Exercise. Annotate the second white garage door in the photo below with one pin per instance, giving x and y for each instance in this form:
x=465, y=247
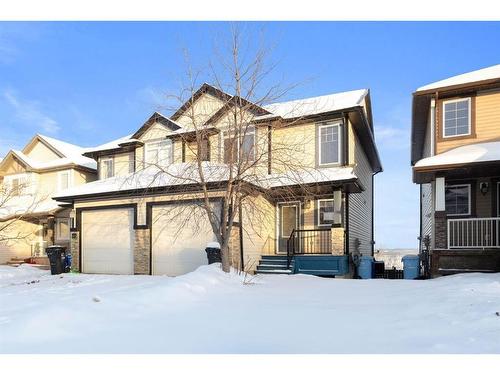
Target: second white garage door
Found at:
x=180, y=234
x=107, y=241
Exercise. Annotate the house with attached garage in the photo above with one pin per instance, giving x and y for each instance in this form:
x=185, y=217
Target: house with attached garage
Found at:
x=313, y=162
x=456, y=161
x=30, y=219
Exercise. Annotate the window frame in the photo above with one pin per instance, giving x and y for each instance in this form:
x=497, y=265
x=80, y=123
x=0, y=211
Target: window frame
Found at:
x=250, y=129
x=339, y=124
x=469, y=199
x=102, y=160
x=57, y=231
x=59, y=179
x=469, y=117
x=318, y=211
x=150, y=142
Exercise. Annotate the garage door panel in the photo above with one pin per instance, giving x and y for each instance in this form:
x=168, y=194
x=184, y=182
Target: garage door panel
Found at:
x=180, y=234
x=107, y=241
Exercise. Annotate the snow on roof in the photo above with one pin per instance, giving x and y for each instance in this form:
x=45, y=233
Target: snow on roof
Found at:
x=111, y=144
x=491, y=72
x=475, y=153
x=187, y=173
x=308, y=177
x=72, y=154
x=315, y=105
x=27, y=205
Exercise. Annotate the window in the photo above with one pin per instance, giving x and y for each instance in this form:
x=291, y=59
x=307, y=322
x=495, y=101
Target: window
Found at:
x=204, y=150
x=232, y=144
x=159, y=153
x=62, y=229
x=457, y=199
x=64, y=180
x=131, y=162
x=329, y=143
x=16, y=187
x=325, y=211
x=456, y=117
x=107, y=167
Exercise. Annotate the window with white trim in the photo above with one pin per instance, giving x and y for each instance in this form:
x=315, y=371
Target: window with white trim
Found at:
x=458, y=199
x=62, y=229
x=456, y=117
x=63, y=180
x=329, y=143
x=107, y=167
x=325, y=212
x=158, y=153
x=18, y=184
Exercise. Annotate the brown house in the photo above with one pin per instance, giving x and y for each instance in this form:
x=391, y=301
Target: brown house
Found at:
x=456, y=161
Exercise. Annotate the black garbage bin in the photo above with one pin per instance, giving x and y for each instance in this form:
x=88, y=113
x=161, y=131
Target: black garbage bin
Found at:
x=55, y=254
x=213, y=254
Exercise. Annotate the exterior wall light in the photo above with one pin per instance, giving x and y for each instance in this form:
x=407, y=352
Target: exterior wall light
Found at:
x=484, y=187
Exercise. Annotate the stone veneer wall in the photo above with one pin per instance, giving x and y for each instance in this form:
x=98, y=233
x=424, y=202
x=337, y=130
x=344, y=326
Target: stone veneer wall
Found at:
x=141, y=252
x=441, y=238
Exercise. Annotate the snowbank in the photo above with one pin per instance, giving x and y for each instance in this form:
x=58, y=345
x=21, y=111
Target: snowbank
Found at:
x=208, y=311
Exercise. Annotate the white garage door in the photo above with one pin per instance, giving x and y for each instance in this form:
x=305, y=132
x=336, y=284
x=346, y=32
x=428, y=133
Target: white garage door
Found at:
x=180, y=234
x=107, y=241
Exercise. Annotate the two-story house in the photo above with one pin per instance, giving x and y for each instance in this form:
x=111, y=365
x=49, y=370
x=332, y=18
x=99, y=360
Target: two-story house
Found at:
x=456, y=161
x=29, y=218
x=315, y=161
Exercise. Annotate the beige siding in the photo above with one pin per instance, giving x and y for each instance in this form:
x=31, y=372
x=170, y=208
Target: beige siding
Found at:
x=41, y=153
x=121, y=163
x=294, y=147
x=259, y=230
x=203, y=108
x=361, y=204
x=13, y=167
x=156, y=131
x=20, y=247
x=487, y=118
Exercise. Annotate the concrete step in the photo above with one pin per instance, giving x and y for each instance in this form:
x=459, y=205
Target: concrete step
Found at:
x=272, y=267
x=274, y=272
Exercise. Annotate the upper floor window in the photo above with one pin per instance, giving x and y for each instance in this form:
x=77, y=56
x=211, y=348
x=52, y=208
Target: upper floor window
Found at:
x=63, y=180
x=457, y=199
x=232, y=145
x=19, y=184
x=107, y=167
x=325, y=211
x=456, y=117
x=158, y=153
x=329, y=143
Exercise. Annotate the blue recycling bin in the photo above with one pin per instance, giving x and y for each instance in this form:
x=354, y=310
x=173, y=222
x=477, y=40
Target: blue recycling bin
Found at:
x=411, y=267
x=365, y=269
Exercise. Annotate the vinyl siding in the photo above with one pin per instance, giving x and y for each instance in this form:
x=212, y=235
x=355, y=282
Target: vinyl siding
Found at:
x=41, y=153
x=487, y=119
x=427, y=210
x=203, y=108
x=259, y=231
x=361, y=204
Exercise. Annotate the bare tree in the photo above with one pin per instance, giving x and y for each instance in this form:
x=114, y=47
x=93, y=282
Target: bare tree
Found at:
x=240, y=170
x=15, y=207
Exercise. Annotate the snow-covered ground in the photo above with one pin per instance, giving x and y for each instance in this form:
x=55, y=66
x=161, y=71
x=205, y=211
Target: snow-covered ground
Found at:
x=208, y=311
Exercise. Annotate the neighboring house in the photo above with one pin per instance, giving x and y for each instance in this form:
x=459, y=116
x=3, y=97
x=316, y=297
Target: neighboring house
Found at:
x=456, y=161
x=30, y=218
x=119, y=223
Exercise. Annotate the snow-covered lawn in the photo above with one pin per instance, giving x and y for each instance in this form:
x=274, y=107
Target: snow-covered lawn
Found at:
x=208, y=311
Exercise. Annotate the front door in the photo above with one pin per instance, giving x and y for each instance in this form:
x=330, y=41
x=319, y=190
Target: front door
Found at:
x=288, y=221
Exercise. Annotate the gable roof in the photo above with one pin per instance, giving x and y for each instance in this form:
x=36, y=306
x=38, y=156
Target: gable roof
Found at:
x=317, y=105
x=69, y=154
x=156, y=118
x=485, y=74
x=204, y=88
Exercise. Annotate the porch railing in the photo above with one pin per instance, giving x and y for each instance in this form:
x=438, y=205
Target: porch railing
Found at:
x=309, y=241
x=475, y=233
x=38, y=248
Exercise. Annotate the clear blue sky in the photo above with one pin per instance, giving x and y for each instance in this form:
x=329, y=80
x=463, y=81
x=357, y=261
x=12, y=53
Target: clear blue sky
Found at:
x=88, y=83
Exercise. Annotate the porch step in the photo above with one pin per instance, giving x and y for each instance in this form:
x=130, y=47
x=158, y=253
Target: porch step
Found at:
x=274, y=264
